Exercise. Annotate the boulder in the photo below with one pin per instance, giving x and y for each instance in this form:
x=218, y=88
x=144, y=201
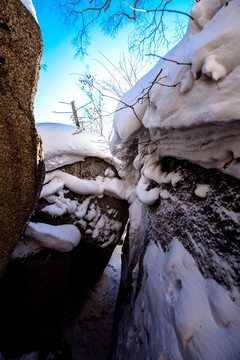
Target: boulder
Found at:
x=21, y=165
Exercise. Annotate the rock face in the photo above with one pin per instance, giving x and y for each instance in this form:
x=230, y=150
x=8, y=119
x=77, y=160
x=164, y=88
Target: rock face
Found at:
x=173, y=305
x=20, y=164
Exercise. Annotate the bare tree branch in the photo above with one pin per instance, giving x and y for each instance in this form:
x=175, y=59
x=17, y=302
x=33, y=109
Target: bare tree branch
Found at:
x=150, y=30
x=171, y=60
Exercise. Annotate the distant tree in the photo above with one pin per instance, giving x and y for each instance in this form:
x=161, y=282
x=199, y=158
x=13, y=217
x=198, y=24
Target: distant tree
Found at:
x=88, y=116
x=148, y=17
x=100, y=96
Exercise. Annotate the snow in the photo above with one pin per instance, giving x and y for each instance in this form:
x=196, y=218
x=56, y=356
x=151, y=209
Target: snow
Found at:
x=202, y=190
x=87, y=213
x=30, y=7
x=63, y=145
x=198, y=119
x=60, y=237
x=56, y=180
x=147, y=197
x=192, y=317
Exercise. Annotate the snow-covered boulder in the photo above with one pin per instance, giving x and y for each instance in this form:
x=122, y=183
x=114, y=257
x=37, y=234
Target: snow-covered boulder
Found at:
x=89, y=196
x=179, y=295
x=81, y=187
x=20, y=164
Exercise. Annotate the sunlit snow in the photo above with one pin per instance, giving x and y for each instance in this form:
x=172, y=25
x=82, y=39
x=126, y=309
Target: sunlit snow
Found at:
x=189, y=107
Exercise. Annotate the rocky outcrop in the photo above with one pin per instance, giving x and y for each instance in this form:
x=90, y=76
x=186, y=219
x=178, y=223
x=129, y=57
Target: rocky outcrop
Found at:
x=171, y=304
x=20, y=154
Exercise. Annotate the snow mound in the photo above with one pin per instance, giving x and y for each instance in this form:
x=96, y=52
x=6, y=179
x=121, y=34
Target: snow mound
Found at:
x=59, y=237
x=30, y=7
x=188, y=106
x=63, y=145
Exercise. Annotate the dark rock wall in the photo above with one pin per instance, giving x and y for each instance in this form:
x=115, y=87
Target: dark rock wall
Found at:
x=20, y=165
x=207, y=227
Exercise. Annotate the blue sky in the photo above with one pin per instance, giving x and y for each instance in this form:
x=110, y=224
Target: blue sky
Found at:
x=58, y=83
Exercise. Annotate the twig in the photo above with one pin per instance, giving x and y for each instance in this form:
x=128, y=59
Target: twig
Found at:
x=171, y=60
x=156, y=10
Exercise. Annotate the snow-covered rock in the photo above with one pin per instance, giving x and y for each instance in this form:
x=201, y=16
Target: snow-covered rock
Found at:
x=187, y=106
x=179, y=295
x=64, y=144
